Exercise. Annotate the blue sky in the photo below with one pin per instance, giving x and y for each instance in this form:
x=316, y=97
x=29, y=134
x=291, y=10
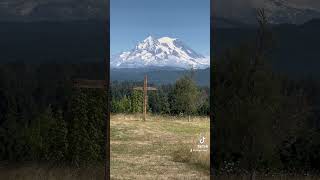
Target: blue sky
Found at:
x=133, y=20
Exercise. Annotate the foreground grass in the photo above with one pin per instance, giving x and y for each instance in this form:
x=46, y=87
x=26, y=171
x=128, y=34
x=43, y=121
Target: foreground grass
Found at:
x=271, y=177
x=158, y=148
x=32, y=171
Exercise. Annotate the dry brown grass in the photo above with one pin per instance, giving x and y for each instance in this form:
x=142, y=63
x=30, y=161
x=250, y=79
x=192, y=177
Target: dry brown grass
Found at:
x=150, y=149
x=156, y=149
x=32, y=171
x=275, y=177
x=186, y=152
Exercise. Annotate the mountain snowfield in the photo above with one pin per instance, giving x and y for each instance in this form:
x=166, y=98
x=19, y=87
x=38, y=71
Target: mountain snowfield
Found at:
x=277, y=11
x=163, y=52
x=284, y=11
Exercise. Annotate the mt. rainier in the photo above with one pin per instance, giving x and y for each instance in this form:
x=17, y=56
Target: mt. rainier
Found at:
x=284, y=11
x=162, y=52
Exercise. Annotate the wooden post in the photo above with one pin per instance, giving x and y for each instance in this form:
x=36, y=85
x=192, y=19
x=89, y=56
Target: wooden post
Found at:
x=145, y=97
x=145, y=90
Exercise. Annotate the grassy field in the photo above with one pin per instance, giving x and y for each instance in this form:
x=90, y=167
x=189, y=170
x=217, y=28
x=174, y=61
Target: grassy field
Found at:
x=274, y=177
x=158, y=148
x=32, y=171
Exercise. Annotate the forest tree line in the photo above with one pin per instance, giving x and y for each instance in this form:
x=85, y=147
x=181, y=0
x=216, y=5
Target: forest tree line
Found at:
x=44, y=118
x=262, y=119
x=182, y=98
x=265, y=121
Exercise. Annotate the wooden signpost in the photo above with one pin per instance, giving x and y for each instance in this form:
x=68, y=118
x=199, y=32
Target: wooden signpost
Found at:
x=145, y=90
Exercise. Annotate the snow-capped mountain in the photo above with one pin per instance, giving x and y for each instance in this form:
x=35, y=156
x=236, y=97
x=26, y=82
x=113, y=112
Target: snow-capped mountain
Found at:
x=162, y=52
x=283, y=11
x=277, y=11
x=51, y=10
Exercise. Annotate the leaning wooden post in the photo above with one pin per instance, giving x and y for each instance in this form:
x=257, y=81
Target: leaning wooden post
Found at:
x=145, y=98
x=145, y=90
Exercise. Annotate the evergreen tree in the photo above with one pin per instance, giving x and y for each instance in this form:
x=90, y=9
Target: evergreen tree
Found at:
x=204, y=107
x=57, y=139
x=96, y=124
x=184, y=96
x=124, y=105
x=12, y=135
x=77, y=131
x=137, y=102
x=158, y=102
x=86, y=134
x=38, y=134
